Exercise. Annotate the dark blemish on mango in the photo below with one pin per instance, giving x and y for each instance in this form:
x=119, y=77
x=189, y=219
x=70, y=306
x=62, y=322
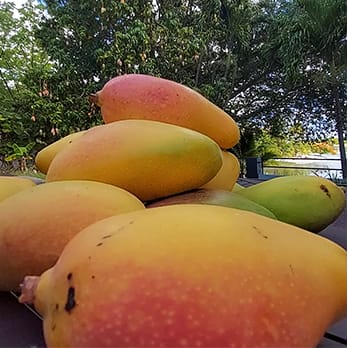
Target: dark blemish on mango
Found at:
x=69, y=276
x=89, y=257
x=325, y=189
x=120, y=229
x=107, y=236
x=292, y=270
x=93, y=276
x=70, y=301
x=99, y=244
x=56, y=306
x=260, y=232
x=53, y=327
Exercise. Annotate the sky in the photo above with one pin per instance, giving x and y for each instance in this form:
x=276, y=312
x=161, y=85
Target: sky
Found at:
x=18, y=3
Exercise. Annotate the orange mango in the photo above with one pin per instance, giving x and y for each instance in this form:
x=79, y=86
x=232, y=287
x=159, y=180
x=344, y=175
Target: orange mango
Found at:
x=137, y=96
x=37, y=223
x=10, y=185
x=188, y=276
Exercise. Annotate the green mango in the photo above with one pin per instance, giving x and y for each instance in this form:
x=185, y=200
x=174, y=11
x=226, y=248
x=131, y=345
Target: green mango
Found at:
x=214, y=197
x=309, y=202
x=237, y=187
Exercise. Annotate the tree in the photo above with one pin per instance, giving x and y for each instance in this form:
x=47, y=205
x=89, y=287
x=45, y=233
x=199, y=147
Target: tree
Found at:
x=235, y=52
x=30, y=117
x=19, y=58
x=312, y=49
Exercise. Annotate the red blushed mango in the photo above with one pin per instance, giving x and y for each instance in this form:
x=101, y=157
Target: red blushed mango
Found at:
x=137, y=96
x=191, y=276
x=147, y=158
x=35, y=224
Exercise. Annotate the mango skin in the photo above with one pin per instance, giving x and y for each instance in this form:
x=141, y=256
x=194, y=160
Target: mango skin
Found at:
x=10, y=185
x=36, y=180
x=309, y=202
x=147, y=158
x=227, y=175
x=45, y=156
x=192, y=275
x=237, y=187
x=138, y=96
x=38, y=222
x=214, y=197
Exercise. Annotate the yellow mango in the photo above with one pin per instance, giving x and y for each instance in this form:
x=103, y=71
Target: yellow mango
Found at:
x=147, y=158
x=227, y=175
x=45, y=156
x=10, y=185
x=188, y=276
x=37, y=223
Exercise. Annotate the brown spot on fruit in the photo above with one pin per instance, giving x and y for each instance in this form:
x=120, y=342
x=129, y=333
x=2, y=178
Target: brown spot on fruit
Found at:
x=70, y=301
x=325, y=189
x=69, y=276
x=260, y=232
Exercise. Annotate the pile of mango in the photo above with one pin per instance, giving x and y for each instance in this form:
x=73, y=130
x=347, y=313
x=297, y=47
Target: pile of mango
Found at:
x=140, y=235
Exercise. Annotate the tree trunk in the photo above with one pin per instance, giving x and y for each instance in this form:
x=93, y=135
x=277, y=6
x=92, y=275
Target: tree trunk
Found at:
x=339, y=128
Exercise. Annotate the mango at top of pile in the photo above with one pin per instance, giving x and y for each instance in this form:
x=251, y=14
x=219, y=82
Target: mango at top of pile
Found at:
x=138, y=96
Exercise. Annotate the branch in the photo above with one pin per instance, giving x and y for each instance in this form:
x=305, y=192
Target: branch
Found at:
x=247, y=85
x=200, y=59
x=6, y=85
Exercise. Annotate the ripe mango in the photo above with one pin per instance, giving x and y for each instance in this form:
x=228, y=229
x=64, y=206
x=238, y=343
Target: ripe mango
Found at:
x=147, y=158
x=214, y=197
x=138, y=96
x=188, y=276
x=10, y=185
x=227, y=175
x=309, y=202
x=38, y=222
x=45, y=156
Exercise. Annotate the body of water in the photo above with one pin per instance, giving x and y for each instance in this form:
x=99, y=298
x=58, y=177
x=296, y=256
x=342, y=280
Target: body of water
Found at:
x=329, y=165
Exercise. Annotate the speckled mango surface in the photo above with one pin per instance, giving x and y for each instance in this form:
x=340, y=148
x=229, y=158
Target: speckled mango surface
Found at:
x=192, y=276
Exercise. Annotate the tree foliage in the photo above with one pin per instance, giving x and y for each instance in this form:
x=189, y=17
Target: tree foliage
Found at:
x=275, y=66
x=312, y=51
x=23, y=66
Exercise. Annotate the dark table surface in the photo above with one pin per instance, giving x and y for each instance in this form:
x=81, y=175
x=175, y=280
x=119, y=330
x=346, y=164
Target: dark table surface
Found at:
x=21, y=327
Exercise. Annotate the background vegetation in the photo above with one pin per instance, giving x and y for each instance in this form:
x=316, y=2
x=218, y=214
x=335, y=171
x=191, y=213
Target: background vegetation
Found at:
x=278, y=67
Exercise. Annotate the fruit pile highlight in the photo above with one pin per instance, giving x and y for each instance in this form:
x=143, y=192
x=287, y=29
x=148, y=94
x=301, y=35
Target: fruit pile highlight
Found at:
x=140, y=235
